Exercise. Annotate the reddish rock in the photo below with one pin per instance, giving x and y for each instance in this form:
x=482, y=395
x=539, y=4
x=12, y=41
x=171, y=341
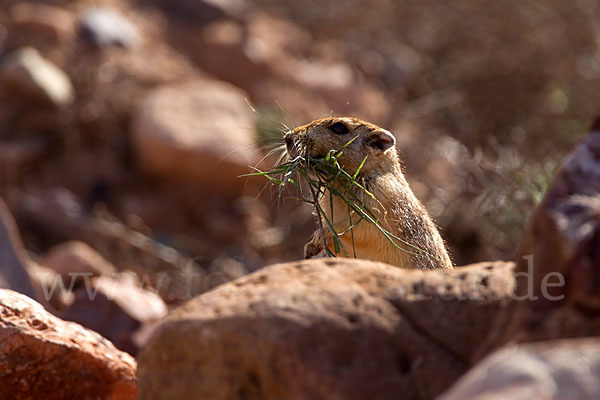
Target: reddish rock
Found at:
x=47, y=287
x=44, y=357
x=325, y=329
x=115, y=309
x=213, y=35
x=44, y=20
x=222, y=49
x=558, y=289
x=77, y=259
x=556, y=369
x=343, y=89
x=306, y=83
x=201, y=132
x=272, y=38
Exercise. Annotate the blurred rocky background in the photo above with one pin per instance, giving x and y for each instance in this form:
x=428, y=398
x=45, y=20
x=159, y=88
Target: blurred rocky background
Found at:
x=124, y=128
x=138, y=116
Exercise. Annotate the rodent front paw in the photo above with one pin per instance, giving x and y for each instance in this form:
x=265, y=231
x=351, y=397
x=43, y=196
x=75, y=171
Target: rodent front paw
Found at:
x=314, y=247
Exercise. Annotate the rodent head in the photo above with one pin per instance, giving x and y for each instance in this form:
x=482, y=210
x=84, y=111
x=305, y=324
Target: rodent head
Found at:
x=320, y=136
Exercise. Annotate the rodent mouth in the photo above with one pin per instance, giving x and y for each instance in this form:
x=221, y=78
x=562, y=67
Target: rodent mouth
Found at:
x=298, y=146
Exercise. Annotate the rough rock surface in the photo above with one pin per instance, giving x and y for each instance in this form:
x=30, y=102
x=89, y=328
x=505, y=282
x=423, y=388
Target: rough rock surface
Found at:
x=559, y=263
x=43, y=357
x=115, y=310
x=13, y=259
x=335, y=329
x=203, y=131
x=556, y=369
x=73, y=259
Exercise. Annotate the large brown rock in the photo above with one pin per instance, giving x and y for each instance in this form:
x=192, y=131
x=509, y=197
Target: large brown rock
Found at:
x=325, y=329
x=44, y=357
x=557, y=285
x=556, y=369
x=201, y=131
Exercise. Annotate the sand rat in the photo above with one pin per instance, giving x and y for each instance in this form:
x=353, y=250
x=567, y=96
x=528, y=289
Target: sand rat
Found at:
x=419, y=244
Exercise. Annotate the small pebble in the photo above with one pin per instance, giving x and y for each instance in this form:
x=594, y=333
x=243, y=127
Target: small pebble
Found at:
x=105, y=27
x=27, y=72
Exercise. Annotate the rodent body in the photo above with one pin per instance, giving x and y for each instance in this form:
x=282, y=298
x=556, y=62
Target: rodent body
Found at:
x=397, y=208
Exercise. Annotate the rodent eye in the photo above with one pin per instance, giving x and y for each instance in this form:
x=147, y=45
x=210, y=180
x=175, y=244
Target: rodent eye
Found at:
x=338, y=128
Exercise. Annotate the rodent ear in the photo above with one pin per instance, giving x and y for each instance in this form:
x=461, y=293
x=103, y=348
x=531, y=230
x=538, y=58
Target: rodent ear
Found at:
x=381, y=140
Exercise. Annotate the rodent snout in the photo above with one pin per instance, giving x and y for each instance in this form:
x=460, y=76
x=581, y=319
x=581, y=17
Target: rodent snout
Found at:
x=289, y=141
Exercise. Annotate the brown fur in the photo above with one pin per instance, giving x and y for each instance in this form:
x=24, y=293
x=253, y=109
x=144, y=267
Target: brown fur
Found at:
x=398, y=209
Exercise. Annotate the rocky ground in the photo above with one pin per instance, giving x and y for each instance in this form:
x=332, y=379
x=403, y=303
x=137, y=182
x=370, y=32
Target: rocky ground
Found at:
x=136, y=263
